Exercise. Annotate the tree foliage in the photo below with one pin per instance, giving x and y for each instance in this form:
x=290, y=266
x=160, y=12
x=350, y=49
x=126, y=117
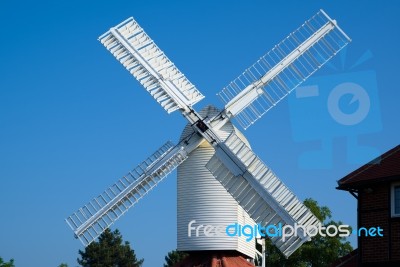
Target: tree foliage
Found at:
x=109, y=251
x=174, y=257
x=6, y=264
x=319, y=252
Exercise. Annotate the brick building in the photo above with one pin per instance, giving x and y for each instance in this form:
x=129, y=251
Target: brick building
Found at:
x=376, y=186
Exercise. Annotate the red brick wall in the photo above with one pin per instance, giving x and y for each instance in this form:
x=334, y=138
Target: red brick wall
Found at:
x=374, y=211
x=395, y=227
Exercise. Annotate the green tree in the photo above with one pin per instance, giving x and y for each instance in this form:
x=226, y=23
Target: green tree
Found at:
x=6, y=264
x=109, y=251
x=63, y=265
x=319, y=252
x=174, y=257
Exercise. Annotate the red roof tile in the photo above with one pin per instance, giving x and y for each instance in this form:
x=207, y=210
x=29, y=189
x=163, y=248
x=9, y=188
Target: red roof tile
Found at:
x=385, y=166
x=214, y=259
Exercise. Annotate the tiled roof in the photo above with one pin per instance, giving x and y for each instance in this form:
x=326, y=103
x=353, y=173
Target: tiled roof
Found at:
x=349, y=260
x=214, y=259
x=383, y=167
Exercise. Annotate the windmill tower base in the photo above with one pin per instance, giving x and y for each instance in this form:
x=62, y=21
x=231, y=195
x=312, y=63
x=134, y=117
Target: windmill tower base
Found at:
x=222, y=258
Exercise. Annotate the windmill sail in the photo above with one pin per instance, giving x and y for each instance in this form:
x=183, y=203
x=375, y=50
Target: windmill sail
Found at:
x=138, y=53
x=283, y=68
x=92, y=219
x=259, y=191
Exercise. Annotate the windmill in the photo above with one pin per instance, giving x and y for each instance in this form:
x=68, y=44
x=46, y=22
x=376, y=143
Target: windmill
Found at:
x=252, y=186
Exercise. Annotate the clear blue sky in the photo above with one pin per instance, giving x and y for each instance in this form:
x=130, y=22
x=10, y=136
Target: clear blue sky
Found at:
x=72, y=120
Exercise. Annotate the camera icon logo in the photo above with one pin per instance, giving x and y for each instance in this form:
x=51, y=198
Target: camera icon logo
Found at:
x=336, y=106
x=358, y=94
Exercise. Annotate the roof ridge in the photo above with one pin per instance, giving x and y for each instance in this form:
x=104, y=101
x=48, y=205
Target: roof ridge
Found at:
x=369, y=165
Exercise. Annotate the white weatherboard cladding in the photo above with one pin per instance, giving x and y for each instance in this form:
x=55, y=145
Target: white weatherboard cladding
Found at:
x=202, y=198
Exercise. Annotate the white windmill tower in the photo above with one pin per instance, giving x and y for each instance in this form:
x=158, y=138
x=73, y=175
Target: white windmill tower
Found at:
x=219, y=177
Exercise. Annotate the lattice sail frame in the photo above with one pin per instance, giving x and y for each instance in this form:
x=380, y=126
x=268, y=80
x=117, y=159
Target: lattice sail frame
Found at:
x=138, y=53
x=287, y=65
x=260, y=192
x=101, y=212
